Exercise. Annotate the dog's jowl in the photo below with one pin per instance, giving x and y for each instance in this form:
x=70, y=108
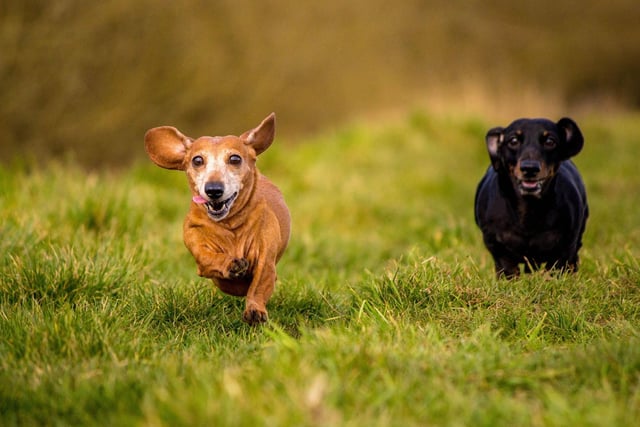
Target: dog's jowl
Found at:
x=531, y=204
x=238, y=224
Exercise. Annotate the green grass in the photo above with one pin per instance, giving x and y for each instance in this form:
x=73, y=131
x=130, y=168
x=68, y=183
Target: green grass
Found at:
x=386, y=311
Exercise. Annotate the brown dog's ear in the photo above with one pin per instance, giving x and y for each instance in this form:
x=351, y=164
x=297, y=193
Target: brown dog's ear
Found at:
x=573, y=140
x=493, y=139
x=166, y=146
x=262, y=136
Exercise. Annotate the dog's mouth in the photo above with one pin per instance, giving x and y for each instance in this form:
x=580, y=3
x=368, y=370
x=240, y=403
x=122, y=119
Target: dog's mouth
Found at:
x=217, y=209
x=530, y=187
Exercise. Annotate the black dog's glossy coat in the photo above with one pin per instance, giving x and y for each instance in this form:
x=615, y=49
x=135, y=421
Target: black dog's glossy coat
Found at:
x=531, y=204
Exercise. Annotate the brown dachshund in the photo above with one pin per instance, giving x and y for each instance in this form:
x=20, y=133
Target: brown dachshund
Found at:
x=238, y=224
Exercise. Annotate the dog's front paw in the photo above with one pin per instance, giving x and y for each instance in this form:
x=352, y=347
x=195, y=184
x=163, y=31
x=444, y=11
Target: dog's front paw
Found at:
x=239, y=268
x=254, y=315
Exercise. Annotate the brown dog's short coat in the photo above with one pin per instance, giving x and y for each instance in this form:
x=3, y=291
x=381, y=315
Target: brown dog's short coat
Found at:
x=238, y=224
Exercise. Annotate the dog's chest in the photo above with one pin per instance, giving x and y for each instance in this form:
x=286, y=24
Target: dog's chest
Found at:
x=527, y=242
x=239, y=242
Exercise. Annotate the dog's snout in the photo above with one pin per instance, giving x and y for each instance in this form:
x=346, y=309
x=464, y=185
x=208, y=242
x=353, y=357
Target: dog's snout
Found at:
x=214, y=190
x=530, y=168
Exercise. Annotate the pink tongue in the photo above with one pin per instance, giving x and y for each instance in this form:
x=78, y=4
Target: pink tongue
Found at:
x=199, y=200
x=529, y=184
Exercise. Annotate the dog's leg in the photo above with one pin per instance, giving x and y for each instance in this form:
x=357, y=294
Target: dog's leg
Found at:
x=565, y=261
x=572, y=266
x=262, y=285
x=215, y=265
x=530, y=265
x=221, y=266
x=506, y=267
x=565, y=266
x=572, y=263
x=212, y=263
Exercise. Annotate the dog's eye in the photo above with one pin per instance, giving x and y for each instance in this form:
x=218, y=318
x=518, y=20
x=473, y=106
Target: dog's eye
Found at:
x=549, y=143
x=234, y=159
x=513, y=142
x=197, y=161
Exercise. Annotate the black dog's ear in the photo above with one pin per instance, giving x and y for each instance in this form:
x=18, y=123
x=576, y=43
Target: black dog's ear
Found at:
x=494, y=139
x=573, y=140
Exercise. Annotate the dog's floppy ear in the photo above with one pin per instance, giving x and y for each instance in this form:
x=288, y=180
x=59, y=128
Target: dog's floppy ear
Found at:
x=573, y=140
x=494, y=139
x=262, y=136
x=167, y=146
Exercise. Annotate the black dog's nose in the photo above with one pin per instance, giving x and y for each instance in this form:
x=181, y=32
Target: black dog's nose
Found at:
x=530, y=168
x=215, y=190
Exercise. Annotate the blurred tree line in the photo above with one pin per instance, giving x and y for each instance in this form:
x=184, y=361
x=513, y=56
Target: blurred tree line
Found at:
x=90, y=77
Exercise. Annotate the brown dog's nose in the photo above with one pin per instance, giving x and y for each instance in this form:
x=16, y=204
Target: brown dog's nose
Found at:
x=214, y=190
x=530, y=168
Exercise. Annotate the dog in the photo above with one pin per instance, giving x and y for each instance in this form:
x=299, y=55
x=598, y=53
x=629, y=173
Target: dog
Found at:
x=531, y=204
x=238, y=224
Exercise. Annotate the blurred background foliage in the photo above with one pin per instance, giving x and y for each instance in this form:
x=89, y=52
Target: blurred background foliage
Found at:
x=90, y=77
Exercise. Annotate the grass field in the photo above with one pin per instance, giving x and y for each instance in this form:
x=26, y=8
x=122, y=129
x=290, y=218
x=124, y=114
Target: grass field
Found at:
x=386, y=311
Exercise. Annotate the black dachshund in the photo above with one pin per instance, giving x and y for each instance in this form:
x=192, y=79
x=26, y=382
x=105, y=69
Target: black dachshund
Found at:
x=531, y=205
